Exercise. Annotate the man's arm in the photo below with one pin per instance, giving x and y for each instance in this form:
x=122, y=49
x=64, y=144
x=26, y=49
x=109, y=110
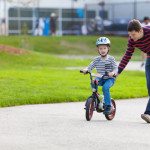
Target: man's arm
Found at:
x=115, y=67
x=127, y=56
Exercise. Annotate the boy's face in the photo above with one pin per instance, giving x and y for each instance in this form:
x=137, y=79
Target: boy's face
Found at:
x=135, y=35
x=103, y=50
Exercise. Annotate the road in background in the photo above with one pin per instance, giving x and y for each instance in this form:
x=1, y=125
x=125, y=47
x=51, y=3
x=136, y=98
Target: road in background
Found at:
x=63, y=127
x=133, y=65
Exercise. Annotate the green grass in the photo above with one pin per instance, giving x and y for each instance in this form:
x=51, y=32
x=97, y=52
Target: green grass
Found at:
x=36, y=60
x=68, y=45
x=40, y=77
x=20, y=86
x=35, y=78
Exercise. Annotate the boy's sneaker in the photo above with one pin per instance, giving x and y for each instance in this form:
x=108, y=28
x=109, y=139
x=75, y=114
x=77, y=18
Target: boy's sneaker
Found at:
x=107, y=110
x=146, y=117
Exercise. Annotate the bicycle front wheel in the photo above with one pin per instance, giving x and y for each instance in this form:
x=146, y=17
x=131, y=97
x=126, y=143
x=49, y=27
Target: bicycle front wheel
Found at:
x=89, y=108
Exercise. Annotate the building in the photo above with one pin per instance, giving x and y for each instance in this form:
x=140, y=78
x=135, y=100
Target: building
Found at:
x=20, y=16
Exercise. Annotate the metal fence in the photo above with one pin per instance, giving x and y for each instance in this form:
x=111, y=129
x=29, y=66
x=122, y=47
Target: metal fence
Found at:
x=113, y=18
x=97, y=18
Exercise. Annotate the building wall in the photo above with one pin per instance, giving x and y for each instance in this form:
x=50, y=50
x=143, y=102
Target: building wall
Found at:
x=124, y=1
x=115, y=10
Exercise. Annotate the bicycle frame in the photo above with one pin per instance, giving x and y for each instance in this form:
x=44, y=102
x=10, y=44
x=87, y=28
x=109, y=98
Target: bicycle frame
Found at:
x=94, y=95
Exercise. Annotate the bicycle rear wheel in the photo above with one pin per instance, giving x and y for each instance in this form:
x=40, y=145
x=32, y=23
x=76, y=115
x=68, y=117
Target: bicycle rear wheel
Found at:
x=113, y=111
x=89, y=108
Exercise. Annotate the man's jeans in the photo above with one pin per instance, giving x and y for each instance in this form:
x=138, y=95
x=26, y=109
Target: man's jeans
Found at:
x=106, y=85
x=147, y=72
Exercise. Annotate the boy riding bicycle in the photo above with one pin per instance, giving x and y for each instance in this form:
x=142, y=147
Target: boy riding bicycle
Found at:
x=104, y=64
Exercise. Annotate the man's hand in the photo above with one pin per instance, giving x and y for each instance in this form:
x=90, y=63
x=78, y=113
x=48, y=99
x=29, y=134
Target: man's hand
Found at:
x=112, y=74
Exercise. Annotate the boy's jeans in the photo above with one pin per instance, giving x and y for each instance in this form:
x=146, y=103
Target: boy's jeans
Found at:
x=106, y=85
x=147, y=72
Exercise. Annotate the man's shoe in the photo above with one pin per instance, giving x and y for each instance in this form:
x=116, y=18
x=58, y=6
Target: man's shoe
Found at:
x=146, y=117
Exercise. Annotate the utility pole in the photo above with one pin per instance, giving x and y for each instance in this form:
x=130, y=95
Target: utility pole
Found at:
x=5, y=16
x=135, y=8
x=72, y=14
x=102, y=4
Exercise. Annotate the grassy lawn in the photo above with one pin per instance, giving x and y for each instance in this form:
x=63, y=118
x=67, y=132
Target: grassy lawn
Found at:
x=38, y=76
x=68, y=45
x=53, y=85
x=35, y=78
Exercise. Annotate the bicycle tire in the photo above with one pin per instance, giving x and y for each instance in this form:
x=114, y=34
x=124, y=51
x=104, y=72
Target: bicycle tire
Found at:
x=89, y=108
x=113, y=111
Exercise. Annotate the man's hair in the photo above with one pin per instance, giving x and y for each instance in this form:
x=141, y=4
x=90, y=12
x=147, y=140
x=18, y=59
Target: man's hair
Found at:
x=134, y=25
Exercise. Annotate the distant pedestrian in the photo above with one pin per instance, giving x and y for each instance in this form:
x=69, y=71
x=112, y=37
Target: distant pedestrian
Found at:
x=3, y=27
x=41, y=26
x=84, y=29
x=46, y=27
x=36, y=32
x=146, y=21
x=53, y=23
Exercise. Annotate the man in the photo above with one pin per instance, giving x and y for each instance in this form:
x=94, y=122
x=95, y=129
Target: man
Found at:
x=139, y=37
x=53, y=18
x=146, y=22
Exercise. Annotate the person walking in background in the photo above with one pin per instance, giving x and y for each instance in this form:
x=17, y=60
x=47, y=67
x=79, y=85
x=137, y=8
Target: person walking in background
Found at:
x=146, y=22
x=46, y=27
x=3, y=27
x=53, y=23
x=36, y=32
x=138, y=38
x=84, y=29
x=41, y=26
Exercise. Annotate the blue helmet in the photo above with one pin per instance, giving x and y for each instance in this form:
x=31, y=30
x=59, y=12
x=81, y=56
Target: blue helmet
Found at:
x=103, y=41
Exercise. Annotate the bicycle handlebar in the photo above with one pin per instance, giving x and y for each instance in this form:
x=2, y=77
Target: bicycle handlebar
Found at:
x=103, y=77
x=81, y=71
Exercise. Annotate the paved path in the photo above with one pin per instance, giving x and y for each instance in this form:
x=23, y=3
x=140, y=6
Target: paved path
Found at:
x=63, y=127
x=133, y=65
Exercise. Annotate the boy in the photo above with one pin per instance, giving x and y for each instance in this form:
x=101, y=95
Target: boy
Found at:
x=139, y=37
x=104, y=63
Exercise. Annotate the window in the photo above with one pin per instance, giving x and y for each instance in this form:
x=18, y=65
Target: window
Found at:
x=13, y=25
x=73, y=13
x=25, y=12
x=46, y=12
x=13, y=12
x=91, y=14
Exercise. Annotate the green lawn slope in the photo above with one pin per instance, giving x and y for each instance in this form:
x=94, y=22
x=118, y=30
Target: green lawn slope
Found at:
x=50, y=86
x=67, y=45
x=31, y=77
